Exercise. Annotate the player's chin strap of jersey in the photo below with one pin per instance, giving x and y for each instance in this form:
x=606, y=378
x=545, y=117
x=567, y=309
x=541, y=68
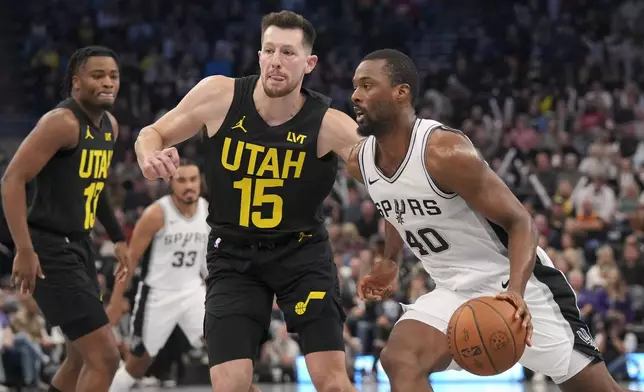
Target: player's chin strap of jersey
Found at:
x=105, y=215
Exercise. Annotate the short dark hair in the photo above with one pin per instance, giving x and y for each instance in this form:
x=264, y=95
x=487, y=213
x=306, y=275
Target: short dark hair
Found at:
x=290, y=20
x=400, y=67
x=79, y=58
x=187, y=162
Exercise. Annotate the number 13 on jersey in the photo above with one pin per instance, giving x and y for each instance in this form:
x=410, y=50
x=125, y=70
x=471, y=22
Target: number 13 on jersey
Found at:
x=253, y=194
x=92, y=193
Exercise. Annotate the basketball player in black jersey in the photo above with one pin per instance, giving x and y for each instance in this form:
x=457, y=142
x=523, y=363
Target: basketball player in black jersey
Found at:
x=69, y=153
x=270, y=162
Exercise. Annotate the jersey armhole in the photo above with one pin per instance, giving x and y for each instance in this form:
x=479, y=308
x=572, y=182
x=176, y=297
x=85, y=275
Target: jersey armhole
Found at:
x=361, y=160
x=432, y=184
x=66, y=152
x=233, y=110
x=161, y=231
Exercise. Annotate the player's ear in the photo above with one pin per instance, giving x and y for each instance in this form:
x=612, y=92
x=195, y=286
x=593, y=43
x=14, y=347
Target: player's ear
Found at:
x=75, y=82
x=402, y=92
x=311, y=62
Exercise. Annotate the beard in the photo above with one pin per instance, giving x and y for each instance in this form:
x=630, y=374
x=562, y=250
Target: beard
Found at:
x=376, y=129
x=278, y=92
x=376, y=126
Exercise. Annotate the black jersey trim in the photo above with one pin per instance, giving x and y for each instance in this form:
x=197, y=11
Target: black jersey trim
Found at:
x=405, y=161
x=361, y=167
x=138, y=319
x=145, y=261
x=432, y=184
x=565, y=303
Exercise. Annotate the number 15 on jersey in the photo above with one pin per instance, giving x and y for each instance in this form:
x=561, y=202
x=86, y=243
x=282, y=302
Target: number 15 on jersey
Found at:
x=253, y=194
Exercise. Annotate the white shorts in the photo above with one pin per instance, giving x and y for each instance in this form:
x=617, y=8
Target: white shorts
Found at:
x=561, y=344
x=157, y=312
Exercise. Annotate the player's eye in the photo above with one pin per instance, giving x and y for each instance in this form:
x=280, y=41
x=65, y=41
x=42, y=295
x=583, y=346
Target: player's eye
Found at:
x=268, y=51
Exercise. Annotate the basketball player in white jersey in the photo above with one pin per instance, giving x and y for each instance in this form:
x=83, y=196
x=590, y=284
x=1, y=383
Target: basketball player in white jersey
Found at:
x=468, y=229
x=172, y=237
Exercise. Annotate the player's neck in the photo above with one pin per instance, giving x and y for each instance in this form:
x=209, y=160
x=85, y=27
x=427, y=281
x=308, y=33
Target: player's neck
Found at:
x=94, y=114
x=277, y=111
x=392, y=147
x=187, y=210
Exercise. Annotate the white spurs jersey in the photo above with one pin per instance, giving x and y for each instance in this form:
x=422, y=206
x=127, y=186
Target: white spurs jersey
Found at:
x=176, y=258
x=460, y=249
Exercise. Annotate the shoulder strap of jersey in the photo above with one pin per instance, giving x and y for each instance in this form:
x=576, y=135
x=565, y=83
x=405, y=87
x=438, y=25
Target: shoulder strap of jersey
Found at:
x=424, y=141
x=366, y=160
x=83, y=120
x=243, y=89
x=168, y=211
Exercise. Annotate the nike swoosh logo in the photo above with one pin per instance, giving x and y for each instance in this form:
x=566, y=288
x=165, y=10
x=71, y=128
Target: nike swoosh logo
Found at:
x=505, y=284
x=373, y=182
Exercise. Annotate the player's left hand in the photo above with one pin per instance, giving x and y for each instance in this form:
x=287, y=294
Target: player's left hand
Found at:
x=123, y=257
x=516, y=299
x=378, y=284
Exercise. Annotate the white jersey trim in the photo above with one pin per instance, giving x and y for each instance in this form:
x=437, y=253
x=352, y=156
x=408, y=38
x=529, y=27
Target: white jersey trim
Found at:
x=403, y=164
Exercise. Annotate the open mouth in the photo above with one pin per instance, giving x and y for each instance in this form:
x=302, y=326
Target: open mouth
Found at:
x=106, y=95
x=359, y=113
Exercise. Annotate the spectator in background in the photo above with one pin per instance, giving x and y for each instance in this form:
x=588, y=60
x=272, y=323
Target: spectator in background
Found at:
x=596, y=276
x=631, y=265
x=283, y=351
x=31, y=339
x=600, y=196
x=6, y=338
x=613, y=301
x=585, y=298
x=368, y=223
x=614, y=342
x=352, y=348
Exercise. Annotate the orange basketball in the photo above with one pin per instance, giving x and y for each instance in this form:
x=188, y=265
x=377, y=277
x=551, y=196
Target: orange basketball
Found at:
x=484, y=338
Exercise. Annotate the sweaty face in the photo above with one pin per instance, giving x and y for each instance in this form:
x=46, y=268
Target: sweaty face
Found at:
x=372, y=98
x=98, y=82
x=186, y=184
x=283, y=61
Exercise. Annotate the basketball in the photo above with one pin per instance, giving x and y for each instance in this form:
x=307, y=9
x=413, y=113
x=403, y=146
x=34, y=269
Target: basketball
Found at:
x=484, y=338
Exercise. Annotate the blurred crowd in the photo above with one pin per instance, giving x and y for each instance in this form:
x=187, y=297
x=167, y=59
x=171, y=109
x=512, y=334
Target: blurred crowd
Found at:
x=550, y=92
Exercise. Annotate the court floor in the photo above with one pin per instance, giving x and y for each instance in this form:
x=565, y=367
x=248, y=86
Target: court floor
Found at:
x=441, y=387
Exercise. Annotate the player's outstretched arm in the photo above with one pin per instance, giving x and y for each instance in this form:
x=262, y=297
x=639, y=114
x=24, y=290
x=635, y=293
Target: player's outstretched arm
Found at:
x=455, y=166
x=353, y=162
x=55, y=131
x=338, y=133
x=149, y=224
x=205, y=105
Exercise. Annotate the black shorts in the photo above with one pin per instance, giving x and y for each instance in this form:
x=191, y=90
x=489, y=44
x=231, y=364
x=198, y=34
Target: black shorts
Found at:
x=244, y=276
x=69, y=296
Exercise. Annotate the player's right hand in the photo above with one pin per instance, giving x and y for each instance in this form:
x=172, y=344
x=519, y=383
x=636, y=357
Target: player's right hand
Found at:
x=26, y=267
x=160, y=164
x=378, y=284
